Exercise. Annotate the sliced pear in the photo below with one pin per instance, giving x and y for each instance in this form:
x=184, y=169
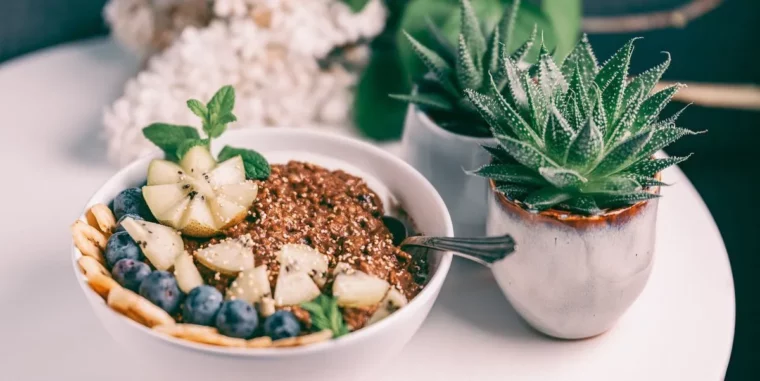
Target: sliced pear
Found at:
x=251, y=285
x=391, y=303
x=188, y=276
x=230, y=171
x=294, y=288
x=160, y=244
x=358, y=289
x=198, y=197
x=301, y=258
x=164, y=172
x=197, y=161
x=228, y=257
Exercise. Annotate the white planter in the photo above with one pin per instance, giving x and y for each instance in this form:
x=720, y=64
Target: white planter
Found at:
x=571, y=276
x=442, y=157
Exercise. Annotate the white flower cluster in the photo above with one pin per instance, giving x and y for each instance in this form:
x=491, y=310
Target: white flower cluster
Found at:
x=274, y=52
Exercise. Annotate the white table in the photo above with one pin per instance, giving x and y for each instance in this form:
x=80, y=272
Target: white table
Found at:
x=681, y=328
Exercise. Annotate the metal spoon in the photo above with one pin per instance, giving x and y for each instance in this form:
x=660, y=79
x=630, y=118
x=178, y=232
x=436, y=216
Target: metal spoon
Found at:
x=483, y=250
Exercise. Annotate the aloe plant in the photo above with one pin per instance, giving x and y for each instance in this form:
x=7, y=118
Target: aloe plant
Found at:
x=452, y=69
x=580, y=136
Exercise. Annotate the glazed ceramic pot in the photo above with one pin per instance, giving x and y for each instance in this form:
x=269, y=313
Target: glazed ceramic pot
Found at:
x=573, y=276
x=442, y=157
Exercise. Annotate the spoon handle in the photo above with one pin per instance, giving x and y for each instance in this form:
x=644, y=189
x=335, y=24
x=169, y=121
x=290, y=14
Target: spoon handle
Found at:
x=484, y=250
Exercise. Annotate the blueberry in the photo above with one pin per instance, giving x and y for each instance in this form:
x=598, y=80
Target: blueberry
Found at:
x=237, y=318
x=201, y=305
x=135, y=217
x=130, y=273
x=161, y=289
x=130, y=201
x=282, y=324
x=121, y=246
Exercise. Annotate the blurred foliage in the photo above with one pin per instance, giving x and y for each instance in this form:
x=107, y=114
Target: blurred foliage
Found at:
x=394, y=66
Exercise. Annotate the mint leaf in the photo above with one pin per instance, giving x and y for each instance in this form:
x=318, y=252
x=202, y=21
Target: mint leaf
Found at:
x=169, y=137
x=256, y=166
x=325, y=314
x=190, y=143
x=198, y=108
x=220, y=111
x=220, y=125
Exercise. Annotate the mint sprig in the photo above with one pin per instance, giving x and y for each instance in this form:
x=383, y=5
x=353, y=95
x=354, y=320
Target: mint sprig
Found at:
x=176, y=140
x=325, y=314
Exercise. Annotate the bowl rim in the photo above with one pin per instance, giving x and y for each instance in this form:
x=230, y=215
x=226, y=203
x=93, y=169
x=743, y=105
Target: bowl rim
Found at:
x=430, y=291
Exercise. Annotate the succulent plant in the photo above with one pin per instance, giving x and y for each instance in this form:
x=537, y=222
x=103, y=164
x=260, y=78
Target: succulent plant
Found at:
x=578, y=137
x=452, y=69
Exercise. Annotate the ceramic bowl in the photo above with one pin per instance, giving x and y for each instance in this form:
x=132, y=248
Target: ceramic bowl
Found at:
x=359, y=355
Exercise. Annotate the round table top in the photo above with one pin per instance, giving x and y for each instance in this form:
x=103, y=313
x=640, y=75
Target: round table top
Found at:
x=681, y=327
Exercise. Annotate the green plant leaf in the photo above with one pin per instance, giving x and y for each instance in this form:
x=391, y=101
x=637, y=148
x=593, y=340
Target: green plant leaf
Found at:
x=506, y=27
x=645, y=82
x=644, y=181
x=546, y=198
x=473, y=35
x=198, y=108
x=563, y=178
x=612, y=185
x=325, y=314
x=435, y=64
x=524, y=153
x=256, y=166
x=598, y=117
x=612, y=97
x=536, y=108
x=549, y=75
x=515, y=78
x=511, y=173
x=498, y=154
x=223, y=102
x=513, y=191
x=622, y=154
x=616, y=67
x=582, y=57
x=469, y=76
x=384, y=75
x=518, y=125
x=585, y=147
x=577, y=89
x=185, y=146
x=488, y=110
x=558, y=135
x=446, y=49
x=168, y=137
x=432, y=100
x=654, y=104
x=521, y=53
x=582, y=205
x=493, y=53
x=649, y=167
x=615, y=201
x=662, y=138
x=624, y=126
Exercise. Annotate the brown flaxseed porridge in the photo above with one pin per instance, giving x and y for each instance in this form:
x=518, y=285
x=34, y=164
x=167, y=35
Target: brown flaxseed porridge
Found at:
x=331, y=211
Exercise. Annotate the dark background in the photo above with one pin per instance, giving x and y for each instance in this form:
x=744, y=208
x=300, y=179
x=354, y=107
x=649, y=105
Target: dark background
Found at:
x=721, y=46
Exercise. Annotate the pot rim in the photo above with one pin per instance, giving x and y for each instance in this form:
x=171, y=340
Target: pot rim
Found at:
x=568, y=217
x=435, y=128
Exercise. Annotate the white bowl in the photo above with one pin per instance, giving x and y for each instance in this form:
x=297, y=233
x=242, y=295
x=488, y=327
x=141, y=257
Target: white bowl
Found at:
x=357, y=356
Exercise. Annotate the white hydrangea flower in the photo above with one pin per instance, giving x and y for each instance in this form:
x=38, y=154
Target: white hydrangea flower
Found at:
x=270, y=52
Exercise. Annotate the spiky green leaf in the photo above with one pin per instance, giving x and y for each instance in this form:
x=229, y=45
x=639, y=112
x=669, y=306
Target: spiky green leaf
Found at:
x=654, y=104
x=511, y=173
x=513, y=191
x=434, y=63
x=431, y=100
x=468, y=75
x=498, y=155
x=616, y=66
x=563, y=178
x=615, y=201
x=506, y=25
x=644, y=181
x=582, y=204
x=662, y=138
x=518, y=94
x=649, y=167
x=519, y=126
x=612, y=185
x=471, y=30
x=582, y=57
x=537, y=110
x=493, y=53
x=445, y=49
x=623, y=154
x=558, y=135
x=524, y=153
x=546, y=198
x=585, y=147
x=645, y=82
x=549, y=75
x=521, y=53
x=489, y=111
x=577, y=89
x=598, y=117
x=612, y=98
x=624, y=126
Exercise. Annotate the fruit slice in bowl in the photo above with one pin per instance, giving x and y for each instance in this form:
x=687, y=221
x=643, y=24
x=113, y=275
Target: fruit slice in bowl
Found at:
x=199, y=197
